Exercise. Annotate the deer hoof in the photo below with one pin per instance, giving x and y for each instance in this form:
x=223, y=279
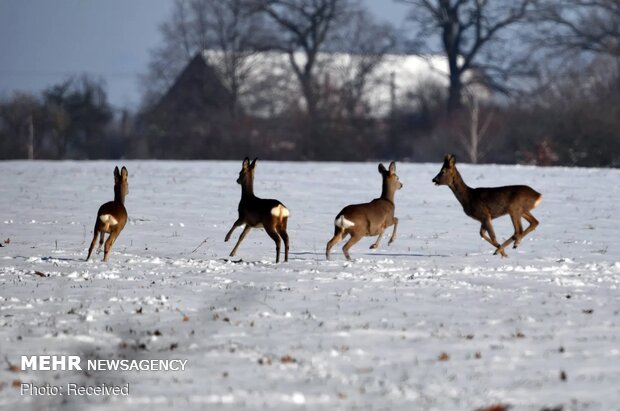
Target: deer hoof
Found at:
x=372, y=247
x=500, y=251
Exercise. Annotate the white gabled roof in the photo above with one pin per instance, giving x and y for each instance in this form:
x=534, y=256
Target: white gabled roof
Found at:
x=272, y=82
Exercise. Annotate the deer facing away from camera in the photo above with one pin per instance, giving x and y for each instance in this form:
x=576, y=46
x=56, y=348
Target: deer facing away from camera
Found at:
x=112, y=216
x=486, y=203
x=368, y=219
x=256, y=212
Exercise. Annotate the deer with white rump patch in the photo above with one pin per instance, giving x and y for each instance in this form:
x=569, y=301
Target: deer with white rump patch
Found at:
x=486, y=203
x=112, y=216
x=368, y=219
x=256, y=212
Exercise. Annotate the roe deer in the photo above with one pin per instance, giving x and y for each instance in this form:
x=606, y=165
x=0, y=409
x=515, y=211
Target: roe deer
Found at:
x=112, y=216
x=368, y=219
x=256, y=212
x=486, y=203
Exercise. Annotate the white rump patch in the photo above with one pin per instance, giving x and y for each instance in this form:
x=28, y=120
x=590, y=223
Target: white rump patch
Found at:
x=108, y=219
x=342, y=222
x=538, y=201
x=279, y=211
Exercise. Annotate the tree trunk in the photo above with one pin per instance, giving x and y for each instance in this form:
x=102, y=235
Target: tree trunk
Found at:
x=456, y=87
x=314, y=122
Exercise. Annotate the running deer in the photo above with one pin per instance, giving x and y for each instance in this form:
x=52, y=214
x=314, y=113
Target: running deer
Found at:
x=368, y=219
x=112, y=216
x=486, y=203
x=256, y=212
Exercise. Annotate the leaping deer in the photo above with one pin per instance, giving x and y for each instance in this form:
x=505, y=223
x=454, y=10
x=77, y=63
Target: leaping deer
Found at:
x=368, y=219
x=256, y=212
x=112, y=216
x=486, y=203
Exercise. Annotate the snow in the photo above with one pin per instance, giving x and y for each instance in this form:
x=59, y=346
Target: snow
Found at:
x=432, y=322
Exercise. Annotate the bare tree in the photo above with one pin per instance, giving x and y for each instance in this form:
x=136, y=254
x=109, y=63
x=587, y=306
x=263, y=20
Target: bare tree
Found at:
x=168, y=60
x=476, y=133
x=306, y=25
x=15, y=119
x=367, y=42
x=78, y=114
x=467, y=29
x=581, y=25
x=229, y=28
x=237, y=33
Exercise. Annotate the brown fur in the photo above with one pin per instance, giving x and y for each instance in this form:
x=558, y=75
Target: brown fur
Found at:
x=369, y=219
x=486, y=203
x=257, y=212
x=117, y=210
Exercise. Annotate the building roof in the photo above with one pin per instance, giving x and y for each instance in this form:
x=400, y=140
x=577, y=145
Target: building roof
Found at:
x=197, y=89
x=271, y=82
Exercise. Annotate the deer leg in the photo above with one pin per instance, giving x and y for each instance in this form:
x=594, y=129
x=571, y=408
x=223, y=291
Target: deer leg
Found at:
x=376, y=243
x=489, y=228
x=109, y=243
x=233, y=228
x=282, y=231
x=516, y=224
x=393, y=237
x=338, y=236
x=92, y=244
x=354, y=239
x=533, y=224
x=485, y=229
x=271, y=231
x=483, y=234
x=245, y=232
x=504, y=245
x=519, y=227
x=101, y=235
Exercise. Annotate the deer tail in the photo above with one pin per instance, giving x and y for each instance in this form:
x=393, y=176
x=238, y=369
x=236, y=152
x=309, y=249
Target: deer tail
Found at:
x=342, y=222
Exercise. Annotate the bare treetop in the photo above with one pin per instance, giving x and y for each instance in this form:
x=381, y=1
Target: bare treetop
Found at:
x=467, y=28
x=582, y=25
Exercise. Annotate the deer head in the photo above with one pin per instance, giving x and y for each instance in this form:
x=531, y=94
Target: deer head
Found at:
x=391, y=183
x=447, y=173
x=121, y=188
x=246, y=175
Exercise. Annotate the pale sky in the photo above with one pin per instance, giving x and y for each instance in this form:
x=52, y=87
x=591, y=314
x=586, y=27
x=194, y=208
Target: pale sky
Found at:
x=43, y=42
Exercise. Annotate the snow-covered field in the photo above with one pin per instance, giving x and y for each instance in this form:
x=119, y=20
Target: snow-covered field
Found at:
x=432, y=322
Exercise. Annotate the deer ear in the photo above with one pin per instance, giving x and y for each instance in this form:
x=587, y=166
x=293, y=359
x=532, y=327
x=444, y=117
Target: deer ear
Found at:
x=451, y=160
x=382, y=169
x=246, y=163
x=253, y=163
x=392, y=168
x=448, y=160
x=124, y=173
x=117, y=174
